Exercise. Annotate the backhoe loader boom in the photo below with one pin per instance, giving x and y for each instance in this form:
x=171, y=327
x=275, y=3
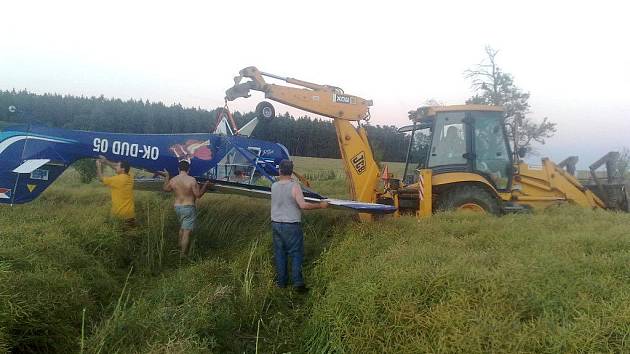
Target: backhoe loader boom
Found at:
x=329, y=101
x=325, y=100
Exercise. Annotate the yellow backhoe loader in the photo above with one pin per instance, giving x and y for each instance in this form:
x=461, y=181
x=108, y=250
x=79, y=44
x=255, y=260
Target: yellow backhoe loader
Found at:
x=459, y=157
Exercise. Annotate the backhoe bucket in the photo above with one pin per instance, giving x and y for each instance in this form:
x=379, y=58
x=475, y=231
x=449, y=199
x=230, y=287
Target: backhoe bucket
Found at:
x=238, y=90
x=610, y=188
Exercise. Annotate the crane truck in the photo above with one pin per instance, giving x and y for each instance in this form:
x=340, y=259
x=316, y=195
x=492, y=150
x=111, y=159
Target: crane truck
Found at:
x=467, y=162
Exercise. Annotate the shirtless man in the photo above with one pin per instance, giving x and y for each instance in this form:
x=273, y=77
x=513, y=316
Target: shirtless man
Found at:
x=187, y=191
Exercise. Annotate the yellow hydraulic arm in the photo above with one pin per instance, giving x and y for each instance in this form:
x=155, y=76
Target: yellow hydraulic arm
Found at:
x=328, y=101
x=325, y=100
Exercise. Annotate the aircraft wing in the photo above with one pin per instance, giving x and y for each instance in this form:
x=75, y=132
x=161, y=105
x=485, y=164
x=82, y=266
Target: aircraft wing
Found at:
x=257, y=191
x=309, y=196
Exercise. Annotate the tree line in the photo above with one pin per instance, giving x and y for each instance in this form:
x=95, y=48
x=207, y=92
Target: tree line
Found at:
x=303, y=136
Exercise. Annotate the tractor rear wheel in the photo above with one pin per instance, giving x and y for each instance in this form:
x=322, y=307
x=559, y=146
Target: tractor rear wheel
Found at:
x=469, y=198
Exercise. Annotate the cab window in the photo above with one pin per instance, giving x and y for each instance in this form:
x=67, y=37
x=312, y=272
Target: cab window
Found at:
x=491, y=152
x=449, y=140
x=419, y=146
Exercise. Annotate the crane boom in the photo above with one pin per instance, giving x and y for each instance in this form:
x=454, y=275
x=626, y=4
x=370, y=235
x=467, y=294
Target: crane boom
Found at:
x=329, y=101
x=325, y=100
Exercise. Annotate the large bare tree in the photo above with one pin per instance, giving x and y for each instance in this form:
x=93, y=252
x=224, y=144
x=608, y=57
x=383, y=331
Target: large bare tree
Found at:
x=493, y=86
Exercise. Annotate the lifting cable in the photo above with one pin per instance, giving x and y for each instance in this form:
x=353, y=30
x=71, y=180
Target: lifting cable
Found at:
x=232, y=122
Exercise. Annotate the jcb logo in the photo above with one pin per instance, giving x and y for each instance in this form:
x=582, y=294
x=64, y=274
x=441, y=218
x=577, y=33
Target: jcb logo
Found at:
x=344, y=99
x=358, y=161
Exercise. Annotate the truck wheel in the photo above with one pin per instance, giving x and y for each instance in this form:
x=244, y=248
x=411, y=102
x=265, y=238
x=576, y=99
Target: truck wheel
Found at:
x=265, y=111
x=470, y=198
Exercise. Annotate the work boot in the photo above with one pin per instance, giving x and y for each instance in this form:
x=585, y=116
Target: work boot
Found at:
x=301, y=289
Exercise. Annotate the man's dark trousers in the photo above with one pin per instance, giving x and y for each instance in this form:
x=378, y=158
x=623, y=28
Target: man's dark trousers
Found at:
x=288, y=241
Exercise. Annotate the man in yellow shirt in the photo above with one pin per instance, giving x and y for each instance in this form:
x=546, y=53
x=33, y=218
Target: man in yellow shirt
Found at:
x=121, y=184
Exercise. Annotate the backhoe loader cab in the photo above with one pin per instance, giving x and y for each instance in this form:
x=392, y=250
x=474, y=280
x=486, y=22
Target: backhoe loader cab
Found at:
x=468, y=138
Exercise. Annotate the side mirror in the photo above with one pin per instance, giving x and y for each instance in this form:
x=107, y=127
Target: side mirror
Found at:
x=521, y=151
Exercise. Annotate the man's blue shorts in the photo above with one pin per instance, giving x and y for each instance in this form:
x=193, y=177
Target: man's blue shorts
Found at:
x=187, y=215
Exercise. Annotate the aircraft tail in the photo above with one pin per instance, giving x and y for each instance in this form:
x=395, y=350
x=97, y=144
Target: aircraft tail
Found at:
x=29, y=163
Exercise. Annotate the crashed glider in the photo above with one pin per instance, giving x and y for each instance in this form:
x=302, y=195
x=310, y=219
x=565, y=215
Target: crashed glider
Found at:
x=32, y=157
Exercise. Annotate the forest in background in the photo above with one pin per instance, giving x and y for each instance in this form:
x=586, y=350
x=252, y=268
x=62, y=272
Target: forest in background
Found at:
x=303, y=136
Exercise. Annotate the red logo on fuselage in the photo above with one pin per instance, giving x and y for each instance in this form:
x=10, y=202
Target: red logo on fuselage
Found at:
x=192, y=148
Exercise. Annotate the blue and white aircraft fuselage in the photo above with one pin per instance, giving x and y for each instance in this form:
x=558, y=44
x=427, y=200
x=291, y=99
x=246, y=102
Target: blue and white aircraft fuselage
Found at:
x=32, y=157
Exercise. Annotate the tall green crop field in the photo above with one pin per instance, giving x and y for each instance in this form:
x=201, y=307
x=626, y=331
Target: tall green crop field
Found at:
x=71, y=280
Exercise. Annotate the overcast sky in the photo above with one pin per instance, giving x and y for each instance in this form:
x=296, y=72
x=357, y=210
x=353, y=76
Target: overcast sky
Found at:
x=572, y=56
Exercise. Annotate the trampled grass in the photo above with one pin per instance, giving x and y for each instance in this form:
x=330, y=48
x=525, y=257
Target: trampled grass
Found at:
x=550, y=282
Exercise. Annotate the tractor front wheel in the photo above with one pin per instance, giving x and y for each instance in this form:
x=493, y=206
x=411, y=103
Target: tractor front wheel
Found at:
x=468, y=198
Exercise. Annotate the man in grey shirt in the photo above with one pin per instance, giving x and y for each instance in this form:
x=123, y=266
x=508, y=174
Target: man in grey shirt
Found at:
x=287, y=202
